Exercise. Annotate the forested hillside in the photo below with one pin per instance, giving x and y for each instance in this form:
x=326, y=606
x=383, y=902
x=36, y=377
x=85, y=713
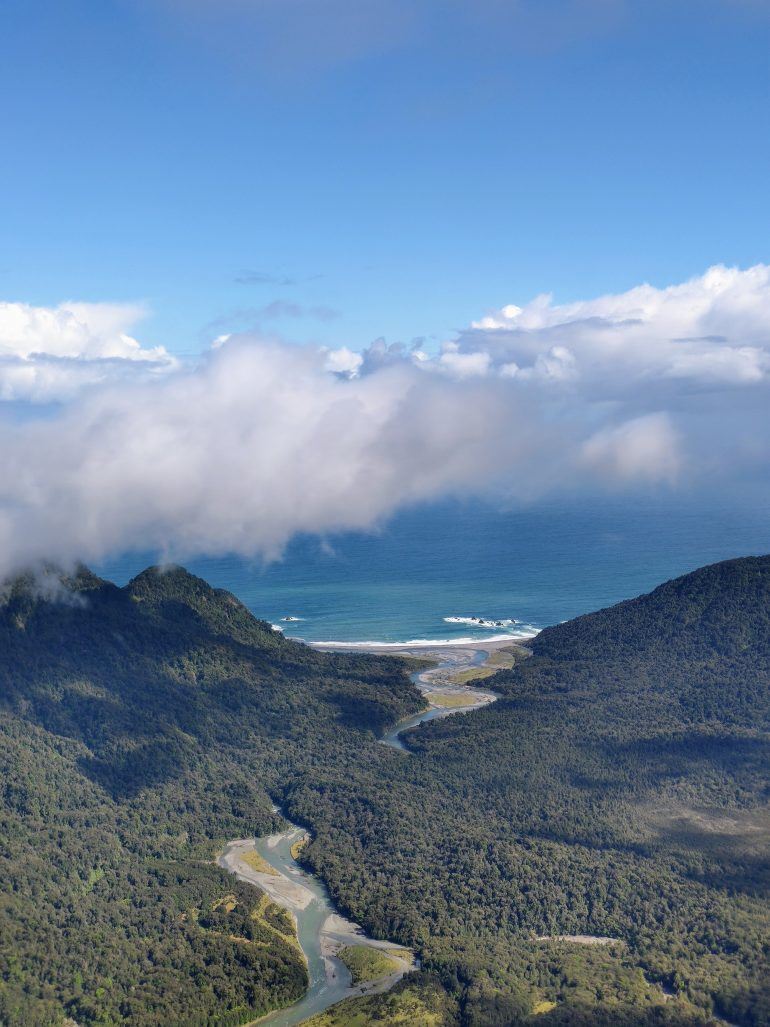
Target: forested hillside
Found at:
x=141, y=727
x=618, y=789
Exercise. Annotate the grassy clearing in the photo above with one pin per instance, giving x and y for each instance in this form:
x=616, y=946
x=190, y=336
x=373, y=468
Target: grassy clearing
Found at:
x=543, y=1007
x=253, y=859
x=228, y=902
x=400, y=953
x=450, y=699
x=464, y=677
x=366, y=963
x=409, y=1004
x=499, y=659
x=298, y=846
x=732, y=833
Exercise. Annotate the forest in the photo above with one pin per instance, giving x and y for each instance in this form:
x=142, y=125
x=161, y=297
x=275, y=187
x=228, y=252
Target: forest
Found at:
x=618, y=788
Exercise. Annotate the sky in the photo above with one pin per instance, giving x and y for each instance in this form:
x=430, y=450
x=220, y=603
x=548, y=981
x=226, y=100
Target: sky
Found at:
x=305, y=235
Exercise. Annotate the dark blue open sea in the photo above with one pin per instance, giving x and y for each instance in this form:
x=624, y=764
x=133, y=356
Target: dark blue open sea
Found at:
x=536, y=566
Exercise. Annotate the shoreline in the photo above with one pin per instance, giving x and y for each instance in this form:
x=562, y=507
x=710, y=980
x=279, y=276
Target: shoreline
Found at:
x=445, y=649
x=449, y=686
x=466, y=641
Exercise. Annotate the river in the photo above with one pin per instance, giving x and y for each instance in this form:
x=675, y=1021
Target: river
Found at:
x=321, y=930
x=437, y=687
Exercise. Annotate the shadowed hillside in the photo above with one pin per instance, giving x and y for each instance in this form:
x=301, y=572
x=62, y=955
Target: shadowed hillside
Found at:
x=618, y=790
x=140, y=728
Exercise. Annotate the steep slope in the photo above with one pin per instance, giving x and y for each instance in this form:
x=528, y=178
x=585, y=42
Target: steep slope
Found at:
x=620, y=789
x=701, y=641
x=138, y=728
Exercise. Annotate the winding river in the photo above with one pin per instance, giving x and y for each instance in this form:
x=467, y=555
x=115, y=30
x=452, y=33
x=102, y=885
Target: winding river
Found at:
x=435, y=683
x=321, y=930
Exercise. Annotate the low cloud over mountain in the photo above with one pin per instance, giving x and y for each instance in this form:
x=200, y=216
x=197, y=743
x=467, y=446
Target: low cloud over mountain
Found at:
x=261, y=439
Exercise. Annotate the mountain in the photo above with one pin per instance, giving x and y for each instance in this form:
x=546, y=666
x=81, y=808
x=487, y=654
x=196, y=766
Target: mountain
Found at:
x=140, y=728
x=617, y=789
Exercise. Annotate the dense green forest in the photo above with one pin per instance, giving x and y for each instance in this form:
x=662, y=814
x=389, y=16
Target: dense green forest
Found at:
x=619, y=789
x=137, y=734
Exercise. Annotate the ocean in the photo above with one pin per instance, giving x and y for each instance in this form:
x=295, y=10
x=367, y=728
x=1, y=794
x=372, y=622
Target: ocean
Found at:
x=430, y=570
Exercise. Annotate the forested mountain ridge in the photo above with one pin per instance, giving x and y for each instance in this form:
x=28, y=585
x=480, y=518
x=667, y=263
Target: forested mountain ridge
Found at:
x=619, y=788
x=703, y=638
x=140, y=727
x=724, y=607
x=696, y=649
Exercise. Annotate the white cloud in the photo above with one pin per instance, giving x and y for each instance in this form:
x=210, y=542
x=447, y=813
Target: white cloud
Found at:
x=263, y=439
x=50, y=353
x=713, y=330
x=344, y=361
x=463, y=365
x=257, y=443
x=643, y=448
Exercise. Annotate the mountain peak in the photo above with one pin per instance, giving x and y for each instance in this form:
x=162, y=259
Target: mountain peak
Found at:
x=221, y=610
x=49, y=582
x=167, y=580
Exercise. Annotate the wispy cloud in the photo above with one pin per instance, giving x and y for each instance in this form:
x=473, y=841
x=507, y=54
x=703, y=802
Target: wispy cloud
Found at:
x=251, y=319
x=286, y=308
x=294, y=37
x=247, y=277
x=250, y=277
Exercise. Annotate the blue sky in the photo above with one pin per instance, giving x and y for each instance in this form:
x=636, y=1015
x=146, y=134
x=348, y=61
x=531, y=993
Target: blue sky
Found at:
x=192, y=189
x=409, y=167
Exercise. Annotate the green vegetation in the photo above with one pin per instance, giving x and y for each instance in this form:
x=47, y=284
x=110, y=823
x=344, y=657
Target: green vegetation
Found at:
x=280, y=920
x=253, y=859
x=450, y=699
x=366, y=963
x=618, y=789
x=418, y=1001
x=140, y=728
x=575, y=805
x=467, y=677
x=297, y=847
x=499, y=659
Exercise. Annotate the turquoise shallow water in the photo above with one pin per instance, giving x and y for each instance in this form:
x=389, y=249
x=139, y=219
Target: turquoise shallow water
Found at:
x=538, y=565
x=321, y=993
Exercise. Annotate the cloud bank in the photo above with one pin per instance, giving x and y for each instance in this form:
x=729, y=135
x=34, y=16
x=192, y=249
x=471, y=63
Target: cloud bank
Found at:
x=262, y=439
x=254, y=445
x=710, y=331
x=50, y=354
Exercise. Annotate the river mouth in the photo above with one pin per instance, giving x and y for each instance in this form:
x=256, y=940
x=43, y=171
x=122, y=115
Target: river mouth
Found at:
x=440, y=688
